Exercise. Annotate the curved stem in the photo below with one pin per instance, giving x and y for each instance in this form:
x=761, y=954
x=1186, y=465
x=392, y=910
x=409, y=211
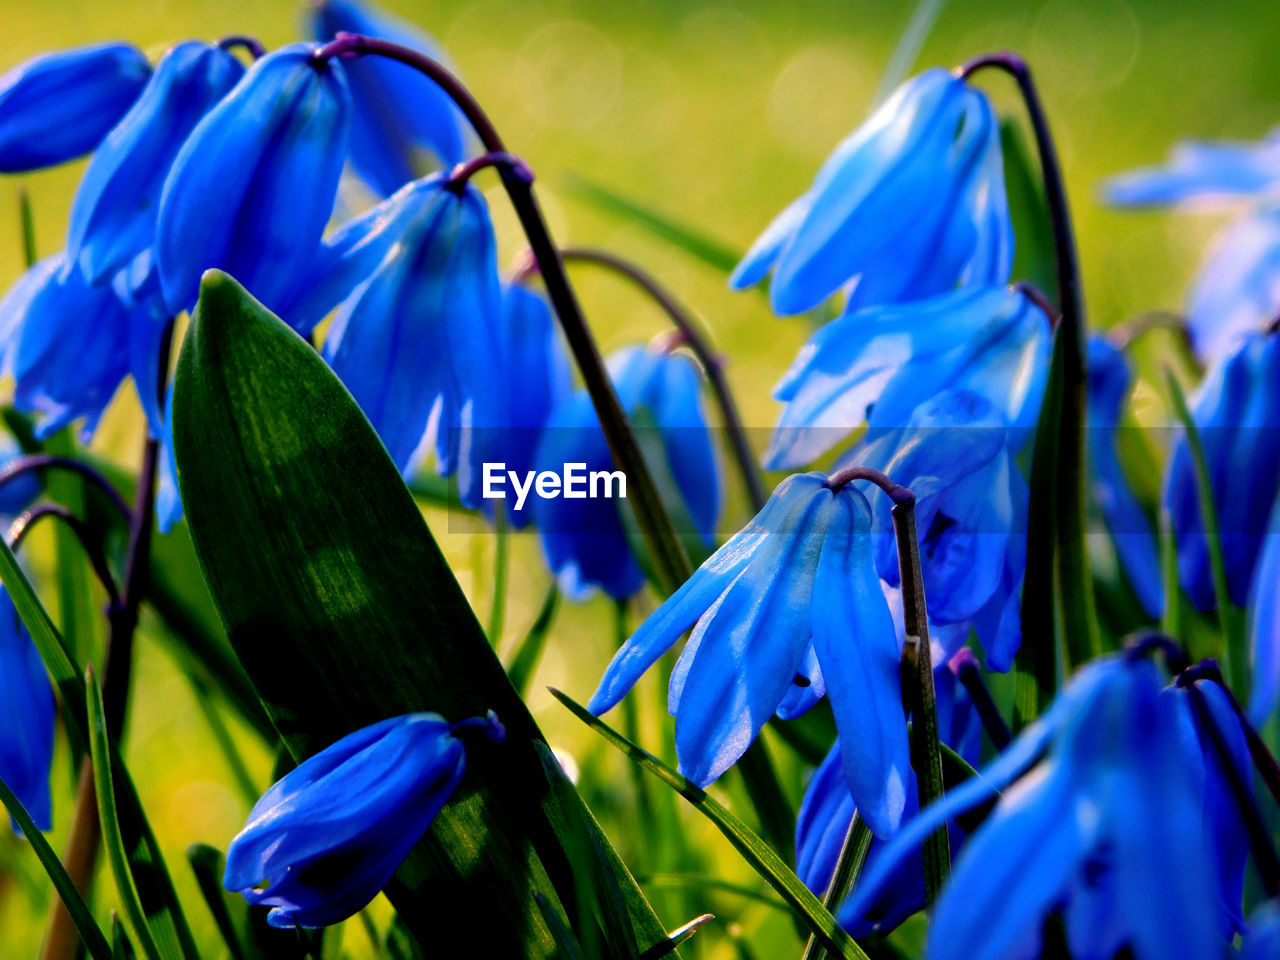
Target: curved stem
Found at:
x=1071, y=558
x=971, y=678
x=896, y=492
x=27, y=521
x=668, y=555
x=694, y=337
x=463, y=172
x=1123, y=334
x=1147, y=642
x=35, y=462
x=245, y=41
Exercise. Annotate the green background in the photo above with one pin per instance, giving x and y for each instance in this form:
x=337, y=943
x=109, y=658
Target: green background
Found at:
x=717, y=114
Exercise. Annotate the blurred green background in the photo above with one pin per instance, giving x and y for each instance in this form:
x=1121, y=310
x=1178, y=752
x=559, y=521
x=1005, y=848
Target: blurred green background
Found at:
x=718, y=114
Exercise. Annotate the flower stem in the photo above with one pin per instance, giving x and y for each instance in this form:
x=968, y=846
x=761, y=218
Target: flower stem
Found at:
x=26, y=522
x=461, y=174
x=35, y=462
x=969, y=675
x=243, y=40
x=695, y=338
x=668, y=555
x=1074, y=584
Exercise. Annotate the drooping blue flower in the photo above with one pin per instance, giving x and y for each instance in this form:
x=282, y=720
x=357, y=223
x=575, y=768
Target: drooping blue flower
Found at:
x=113, y=218
x=1126, y=521
x=971, y=509
x=59, y=106
x=404, y=124
x=876, y=365
x=326, y=838
x=66, y=344
x=252, y=188
x=26, y=717
x=798, y=582
x=1201, y=172
x=1237, y=289
x=908, y=206
x=1107, y=826
x=1264, y=626
x=1236, y=411
x=827, y=811
x=1228, y=838
x=417, y=337
x=1263, y=939
x=584, y=540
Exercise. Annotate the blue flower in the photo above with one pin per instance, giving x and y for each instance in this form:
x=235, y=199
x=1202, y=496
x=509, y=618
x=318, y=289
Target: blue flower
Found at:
x=416, y=338
x=1108, y=823
x=252, y=188
x=1237, y=290
x=876, y=365
x=59, y=106
x=324, y=840
x=17, y=494
x=971, y=508
x=1236, y=411
x=404, y=124
x=584, y=540
x=1200, y=171
x=1264, y=626
x=1228, y=839
x=1263, y=941
x=828, y=807
x=113, y=218
x=1130, y=530
x=792, y=600
x=26, y=717
x=910, y=205
x=66, y=344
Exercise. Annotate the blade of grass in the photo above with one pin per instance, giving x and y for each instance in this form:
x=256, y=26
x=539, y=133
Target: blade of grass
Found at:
x=207, y=864
x=94, y=940
x=100, y=753
x=905, y=53
x=755, y=851
x=528, y=653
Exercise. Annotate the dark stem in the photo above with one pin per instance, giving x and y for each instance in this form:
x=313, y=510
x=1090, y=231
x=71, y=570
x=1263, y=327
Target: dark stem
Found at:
x=1122, y=335
x=21, y=466
x=918, y=693
x=1038, y=297
x=26, y=217
x=1147, y=642
x=463, y=172
x=971, y=677
x=1263, y=761
x=1071, y=563
x=897, y=493
x=690, y=334
x=27, y=521
x=245, y=41
x=668, y=555
x=1264, y=854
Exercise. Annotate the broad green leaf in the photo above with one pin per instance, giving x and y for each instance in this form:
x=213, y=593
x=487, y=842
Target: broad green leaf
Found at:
x=343, y=612
x=755, y=851
x=690, y=239
x=90, y=933
x=112, y=839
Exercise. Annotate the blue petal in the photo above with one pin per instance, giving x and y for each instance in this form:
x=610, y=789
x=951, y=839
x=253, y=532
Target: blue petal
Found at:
x=1264, y=628
x=1237, y=289
x=823, y=822
x=1201, y=171
x=759, y=260
x=26, y=717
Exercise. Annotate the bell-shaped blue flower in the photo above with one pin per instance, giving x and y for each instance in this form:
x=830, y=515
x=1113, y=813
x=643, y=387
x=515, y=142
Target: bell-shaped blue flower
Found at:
x=1237, y=289
x=795, y=588
x=66, y=344
x=971, y=507
x=1108, y=823
x=1126, y=521
x=584, y=540
x=26, y=717
x=252, y=188
x=59, y=106
x=416, y=338
x=910, y=205
x=404, y=124
x=1201, y=172
x=1264, y=626
x=827, y=810
x=326, y=838
x=1236, y=411
x=876, y=365
x=1228, y=838
x=113, y=218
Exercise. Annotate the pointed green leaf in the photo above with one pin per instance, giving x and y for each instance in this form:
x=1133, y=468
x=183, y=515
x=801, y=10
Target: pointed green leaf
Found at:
x=343, y=612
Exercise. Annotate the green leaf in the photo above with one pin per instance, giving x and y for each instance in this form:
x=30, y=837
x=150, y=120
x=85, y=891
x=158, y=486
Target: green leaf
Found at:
x=528, y=654
x=715, y=254
x=121, y=948
x=112, y=839
x=93, y=938
x=156, y=888
x=755, y=851
x=343, y=612
x=905, y=53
